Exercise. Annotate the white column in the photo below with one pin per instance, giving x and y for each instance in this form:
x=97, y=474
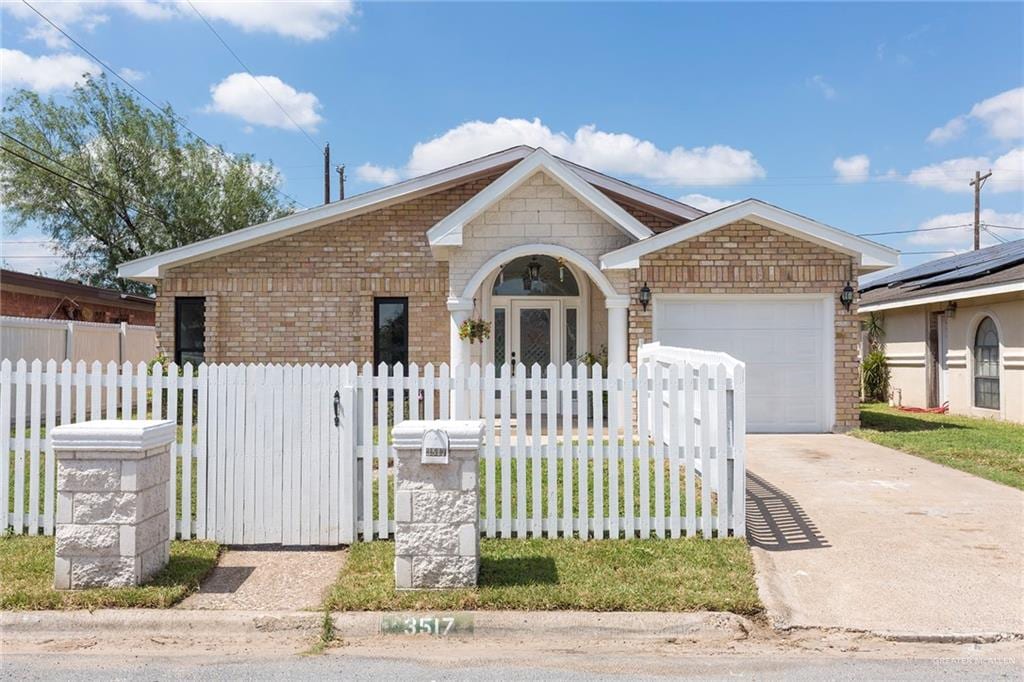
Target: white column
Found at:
x=618, y=330
x=460, y=310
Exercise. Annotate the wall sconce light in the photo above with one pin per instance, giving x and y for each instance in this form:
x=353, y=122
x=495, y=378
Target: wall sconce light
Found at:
x=645, y=296
x=951, y=309
x=846, y=298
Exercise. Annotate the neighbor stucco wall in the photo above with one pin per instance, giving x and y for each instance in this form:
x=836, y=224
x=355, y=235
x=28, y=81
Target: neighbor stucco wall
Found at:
x=906, y=353
x=906, y=349
x=747, y=258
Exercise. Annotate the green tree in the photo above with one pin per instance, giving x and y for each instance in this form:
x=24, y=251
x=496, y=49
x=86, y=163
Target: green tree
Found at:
x=153, y=187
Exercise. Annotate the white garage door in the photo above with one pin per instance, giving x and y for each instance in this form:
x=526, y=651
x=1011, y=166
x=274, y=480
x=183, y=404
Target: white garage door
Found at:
x=781, y=340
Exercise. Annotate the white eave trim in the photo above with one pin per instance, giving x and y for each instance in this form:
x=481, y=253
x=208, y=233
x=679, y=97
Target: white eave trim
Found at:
x=873, y=256
x=448, y=232
x=150, y=268
x=990, y=290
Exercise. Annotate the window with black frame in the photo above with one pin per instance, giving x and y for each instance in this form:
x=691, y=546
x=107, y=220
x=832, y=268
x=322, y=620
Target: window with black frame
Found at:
x=390, y=331
x=189, y=330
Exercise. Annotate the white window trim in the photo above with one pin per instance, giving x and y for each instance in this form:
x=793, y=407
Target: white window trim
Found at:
x=972, y=330
x=828, y=353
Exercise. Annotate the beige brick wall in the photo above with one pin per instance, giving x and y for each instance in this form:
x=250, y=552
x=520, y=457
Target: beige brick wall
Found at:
x=308, y=297
x=745, y=257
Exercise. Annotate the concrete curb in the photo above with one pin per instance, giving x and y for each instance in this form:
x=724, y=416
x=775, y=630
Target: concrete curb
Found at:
x=556, y=624
x=504, y=624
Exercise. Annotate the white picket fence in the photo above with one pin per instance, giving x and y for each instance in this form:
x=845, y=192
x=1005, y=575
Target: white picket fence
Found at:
x=300, y=455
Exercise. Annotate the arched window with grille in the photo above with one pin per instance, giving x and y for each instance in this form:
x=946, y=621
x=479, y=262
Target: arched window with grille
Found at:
x=986, y=365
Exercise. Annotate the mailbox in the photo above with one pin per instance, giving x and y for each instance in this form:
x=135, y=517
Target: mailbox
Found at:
x=435, y=447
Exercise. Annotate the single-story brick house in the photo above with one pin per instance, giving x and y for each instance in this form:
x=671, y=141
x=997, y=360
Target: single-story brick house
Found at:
x=954, y=331
x=556, y=257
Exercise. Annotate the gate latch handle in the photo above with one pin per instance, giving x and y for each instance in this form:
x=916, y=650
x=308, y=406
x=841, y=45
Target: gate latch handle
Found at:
x=337, y=408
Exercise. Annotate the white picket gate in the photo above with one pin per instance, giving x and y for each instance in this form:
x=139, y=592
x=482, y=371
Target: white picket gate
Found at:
x=300, y=455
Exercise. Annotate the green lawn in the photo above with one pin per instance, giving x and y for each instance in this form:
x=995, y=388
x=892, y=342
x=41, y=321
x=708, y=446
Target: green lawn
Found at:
x=983, y=447
x=548, y=574
x=26, y=578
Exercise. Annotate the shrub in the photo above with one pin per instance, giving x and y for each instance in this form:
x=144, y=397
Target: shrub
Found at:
x=874, y=372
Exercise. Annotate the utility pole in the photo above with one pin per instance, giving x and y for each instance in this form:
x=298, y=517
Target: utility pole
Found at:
x=341, y=181
x=327, y=173
x=977, y=183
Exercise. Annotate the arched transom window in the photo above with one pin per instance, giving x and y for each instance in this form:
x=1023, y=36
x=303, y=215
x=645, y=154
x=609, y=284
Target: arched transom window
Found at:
x=535, y=276
x=986, y=365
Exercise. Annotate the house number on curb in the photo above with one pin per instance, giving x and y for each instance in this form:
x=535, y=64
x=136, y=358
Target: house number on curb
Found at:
x=438, y=625
x=435, y=447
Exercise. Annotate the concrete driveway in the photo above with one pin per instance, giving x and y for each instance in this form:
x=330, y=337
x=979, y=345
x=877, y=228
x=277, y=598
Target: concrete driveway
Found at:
x=850, y=534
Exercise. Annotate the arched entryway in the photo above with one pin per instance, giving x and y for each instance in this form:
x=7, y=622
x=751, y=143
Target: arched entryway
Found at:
x=539, y=299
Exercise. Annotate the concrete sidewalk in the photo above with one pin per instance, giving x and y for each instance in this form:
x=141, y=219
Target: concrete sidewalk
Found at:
x=853, y=535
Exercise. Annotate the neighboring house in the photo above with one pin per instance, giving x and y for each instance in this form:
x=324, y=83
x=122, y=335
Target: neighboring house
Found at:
x=954, y=331
x=556, y=256
x=24, y=295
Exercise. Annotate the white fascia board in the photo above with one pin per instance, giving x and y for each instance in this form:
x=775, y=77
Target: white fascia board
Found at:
x=149, y=268
x=873, y=256
x=991, y=290
x=448, y=232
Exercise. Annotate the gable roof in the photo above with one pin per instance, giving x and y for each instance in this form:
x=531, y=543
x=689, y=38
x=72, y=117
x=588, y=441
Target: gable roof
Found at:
x=873, y=256
x=448, y=231
x=149, y=268
x=993, y=270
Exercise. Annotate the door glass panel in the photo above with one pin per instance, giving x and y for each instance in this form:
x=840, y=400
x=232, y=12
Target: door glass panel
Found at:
x=499, y=336
x=535, y=336
x=570, y=335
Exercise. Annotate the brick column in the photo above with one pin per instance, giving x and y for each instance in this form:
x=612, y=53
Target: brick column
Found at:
x=112, y=526
x=437, y=507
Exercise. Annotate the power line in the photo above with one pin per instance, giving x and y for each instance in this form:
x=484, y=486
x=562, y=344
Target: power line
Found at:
x=919, y=229
x=998, y=238
x=90, y=188
x=252, y=75
x=1004, y=227
x=156, y=106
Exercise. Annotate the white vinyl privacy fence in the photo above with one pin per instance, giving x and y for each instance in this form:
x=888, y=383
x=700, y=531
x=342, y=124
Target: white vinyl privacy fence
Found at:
x=300, y=455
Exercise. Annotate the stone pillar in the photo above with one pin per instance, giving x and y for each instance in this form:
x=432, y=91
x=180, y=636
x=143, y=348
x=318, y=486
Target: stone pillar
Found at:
x=112, y=526
x=437, y=506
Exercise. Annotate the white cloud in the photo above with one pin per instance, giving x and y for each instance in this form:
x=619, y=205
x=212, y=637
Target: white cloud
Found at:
x=705, y=203
x=303, y=20
x=239, y=95
x=952, y=130
x=954, y=175
x=1002, y=115
x=963, y=236
x=852, y=168
x=819, y=83
x=131, y=75
x=44, y=74
x=615, y=153
x=377, y=175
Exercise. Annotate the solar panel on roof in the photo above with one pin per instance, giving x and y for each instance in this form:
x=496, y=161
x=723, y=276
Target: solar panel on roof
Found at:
x=952, y=265
x=984, y=268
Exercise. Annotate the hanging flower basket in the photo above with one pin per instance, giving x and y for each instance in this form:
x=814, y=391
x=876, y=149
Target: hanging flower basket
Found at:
x=475, y=330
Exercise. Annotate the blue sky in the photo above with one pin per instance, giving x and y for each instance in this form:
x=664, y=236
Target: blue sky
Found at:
x=867, y=117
